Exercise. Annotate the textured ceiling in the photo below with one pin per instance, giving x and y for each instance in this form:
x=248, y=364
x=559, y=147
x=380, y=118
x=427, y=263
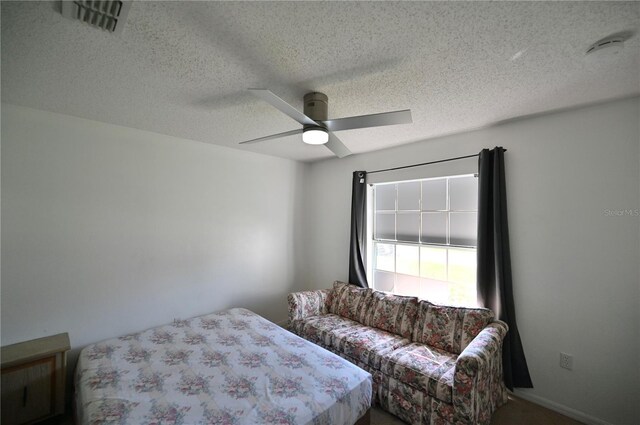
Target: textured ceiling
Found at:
x=182, y=68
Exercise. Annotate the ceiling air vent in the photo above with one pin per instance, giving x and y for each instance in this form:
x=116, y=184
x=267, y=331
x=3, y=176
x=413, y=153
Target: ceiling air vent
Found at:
x=106, y=15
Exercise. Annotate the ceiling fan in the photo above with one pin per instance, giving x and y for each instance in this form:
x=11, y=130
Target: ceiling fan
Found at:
x=317, y=129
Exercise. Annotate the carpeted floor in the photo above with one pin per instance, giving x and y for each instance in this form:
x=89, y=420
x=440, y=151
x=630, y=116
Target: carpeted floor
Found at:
x=515, y=412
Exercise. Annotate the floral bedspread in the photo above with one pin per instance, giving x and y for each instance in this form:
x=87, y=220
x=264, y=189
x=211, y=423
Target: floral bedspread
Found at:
x=227, y=368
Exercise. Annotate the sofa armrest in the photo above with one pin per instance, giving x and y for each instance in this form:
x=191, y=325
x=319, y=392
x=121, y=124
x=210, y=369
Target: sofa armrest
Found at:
x=308, y=303
x=478, y=386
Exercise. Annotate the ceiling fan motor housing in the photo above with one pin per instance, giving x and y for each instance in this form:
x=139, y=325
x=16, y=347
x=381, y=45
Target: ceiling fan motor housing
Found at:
x=316, y=106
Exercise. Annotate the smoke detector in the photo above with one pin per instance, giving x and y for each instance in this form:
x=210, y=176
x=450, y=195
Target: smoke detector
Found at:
x=109, y=15
x=613, y=44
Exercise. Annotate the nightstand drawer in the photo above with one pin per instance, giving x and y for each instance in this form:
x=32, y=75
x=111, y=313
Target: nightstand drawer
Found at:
x=27, y=391
x=33, y=379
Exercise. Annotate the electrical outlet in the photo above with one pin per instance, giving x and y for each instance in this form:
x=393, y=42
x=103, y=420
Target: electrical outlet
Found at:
x=566, y=361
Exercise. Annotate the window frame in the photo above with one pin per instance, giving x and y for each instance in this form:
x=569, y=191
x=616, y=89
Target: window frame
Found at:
x=447, y=246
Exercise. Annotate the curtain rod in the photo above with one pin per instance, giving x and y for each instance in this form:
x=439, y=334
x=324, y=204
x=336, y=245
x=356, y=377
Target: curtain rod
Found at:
x=423, y=163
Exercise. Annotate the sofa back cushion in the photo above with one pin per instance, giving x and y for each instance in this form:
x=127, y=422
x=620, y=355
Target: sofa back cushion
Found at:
x=350, y=301
x=449, y=328
x=392, y=313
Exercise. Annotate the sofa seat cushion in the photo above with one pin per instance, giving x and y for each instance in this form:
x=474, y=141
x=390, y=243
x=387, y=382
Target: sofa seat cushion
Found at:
x=365, y=344
x=425, y=368
x=317, y=328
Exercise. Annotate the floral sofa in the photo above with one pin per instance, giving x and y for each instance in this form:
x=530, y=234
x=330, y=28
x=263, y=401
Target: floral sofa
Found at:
x=431, y=364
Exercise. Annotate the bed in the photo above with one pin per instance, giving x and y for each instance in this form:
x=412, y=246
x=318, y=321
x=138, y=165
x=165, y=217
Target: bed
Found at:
x=232, y=367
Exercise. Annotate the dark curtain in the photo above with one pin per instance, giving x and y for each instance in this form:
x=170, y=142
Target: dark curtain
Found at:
x=357, y=269
x=495, y=286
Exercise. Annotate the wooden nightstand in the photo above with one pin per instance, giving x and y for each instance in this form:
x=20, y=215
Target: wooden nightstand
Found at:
x=33, y=379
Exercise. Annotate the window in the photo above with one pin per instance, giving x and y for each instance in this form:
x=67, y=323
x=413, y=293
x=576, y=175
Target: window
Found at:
x=424, y=239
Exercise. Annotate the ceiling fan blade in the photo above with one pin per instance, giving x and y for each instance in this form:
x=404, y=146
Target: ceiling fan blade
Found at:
x=273, y=136
x=336, y=146
x=372, y=120
x=283, y=106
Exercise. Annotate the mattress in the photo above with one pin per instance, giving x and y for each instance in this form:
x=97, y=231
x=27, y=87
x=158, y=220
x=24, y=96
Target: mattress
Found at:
x=231, y=367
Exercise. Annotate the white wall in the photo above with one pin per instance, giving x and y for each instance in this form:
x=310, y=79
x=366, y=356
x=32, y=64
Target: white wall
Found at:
x=108, y=230
x=576, y=277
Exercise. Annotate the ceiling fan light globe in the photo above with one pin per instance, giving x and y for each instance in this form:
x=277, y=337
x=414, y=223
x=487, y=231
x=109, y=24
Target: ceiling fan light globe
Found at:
x=315, y=136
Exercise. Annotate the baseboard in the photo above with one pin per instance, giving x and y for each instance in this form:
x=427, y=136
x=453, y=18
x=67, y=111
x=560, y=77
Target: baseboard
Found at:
x=283, y=323
x=560, y=408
